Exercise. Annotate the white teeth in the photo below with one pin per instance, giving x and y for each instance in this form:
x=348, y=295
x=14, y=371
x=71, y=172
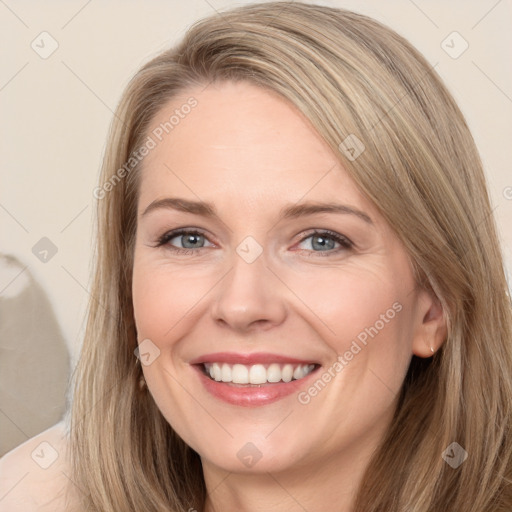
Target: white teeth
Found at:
x=240, y=374
x=297, y=373
x=257, y=373
x=287, y=373
x=226, y=373
x=217, y=372
x=274, y=373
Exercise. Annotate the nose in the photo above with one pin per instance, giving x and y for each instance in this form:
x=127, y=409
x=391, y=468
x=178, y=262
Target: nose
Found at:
x=249, y=297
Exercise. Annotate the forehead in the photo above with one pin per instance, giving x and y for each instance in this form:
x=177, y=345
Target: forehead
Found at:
x=240, y=143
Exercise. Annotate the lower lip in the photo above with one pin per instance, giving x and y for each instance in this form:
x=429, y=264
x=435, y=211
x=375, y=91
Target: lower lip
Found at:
x=251, y=395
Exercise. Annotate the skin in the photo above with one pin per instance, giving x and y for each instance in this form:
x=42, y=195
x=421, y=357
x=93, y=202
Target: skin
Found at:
x=250, y=153
x=35, y=478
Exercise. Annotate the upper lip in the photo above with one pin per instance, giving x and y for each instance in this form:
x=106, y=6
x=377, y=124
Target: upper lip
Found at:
x=249, y=359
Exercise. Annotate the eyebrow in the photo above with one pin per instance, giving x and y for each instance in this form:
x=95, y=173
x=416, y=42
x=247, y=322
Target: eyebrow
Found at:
x=292, y=211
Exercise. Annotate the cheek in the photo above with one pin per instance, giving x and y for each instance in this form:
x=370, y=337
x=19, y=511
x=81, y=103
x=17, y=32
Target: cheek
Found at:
x=352, y=303
x=163, y=303
x=162, y=297
x=364, y=317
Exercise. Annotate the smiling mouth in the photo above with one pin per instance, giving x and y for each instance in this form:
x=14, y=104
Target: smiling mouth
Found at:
x=257, y=374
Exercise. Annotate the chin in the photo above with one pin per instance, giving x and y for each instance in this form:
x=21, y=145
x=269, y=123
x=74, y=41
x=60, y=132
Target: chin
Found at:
x=252, y=457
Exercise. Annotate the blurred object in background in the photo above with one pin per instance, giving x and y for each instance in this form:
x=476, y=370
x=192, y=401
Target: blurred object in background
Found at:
x=34, y=358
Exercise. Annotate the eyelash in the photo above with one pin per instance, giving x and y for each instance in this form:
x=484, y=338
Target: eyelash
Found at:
x=342, y=240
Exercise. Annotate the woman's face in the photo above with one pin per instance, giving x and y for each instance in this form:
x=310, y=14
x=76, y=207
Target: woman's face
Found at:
x=268, y=284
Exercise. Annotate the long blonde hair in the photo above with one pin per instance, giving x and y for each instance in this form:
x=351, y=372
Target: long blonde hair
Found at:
x=349, y=75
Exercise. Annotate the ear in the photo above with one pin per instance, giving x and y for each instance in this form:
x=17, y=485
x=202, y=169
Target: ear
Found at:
x=430, y=328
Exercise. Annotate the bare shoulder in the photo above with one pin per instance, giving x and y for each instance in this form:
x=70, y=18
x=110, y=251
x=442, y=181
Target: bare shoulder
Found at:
x=35, y=475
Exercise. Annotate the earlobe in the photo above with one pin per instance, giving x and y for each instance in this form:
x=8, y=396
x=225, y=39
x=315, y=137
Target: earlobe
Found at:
x=431, y=329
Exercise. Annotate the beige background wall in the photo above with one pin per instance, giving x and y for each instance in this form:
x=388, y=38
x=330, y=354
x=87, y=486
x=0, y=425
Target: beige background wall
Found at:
x=56, y=111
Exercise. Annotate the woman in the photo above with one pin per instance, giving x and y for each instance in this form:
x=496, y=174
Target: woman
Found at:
x=299, y=300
